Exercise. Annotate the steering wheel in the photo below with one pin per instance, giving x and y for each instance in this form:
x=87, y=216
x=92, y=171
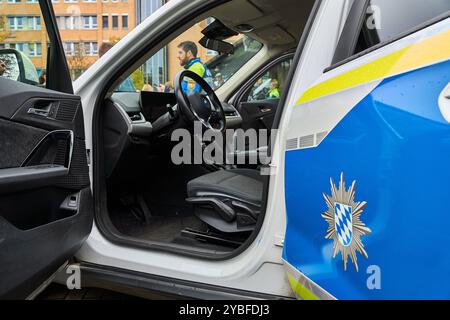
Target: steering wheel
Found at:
x=200, y=103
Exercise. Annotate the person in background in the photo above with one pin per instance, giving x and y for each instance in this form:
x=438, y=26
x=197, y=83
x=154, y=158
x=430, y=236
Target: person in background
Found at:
x=127, y=85
x=147, y=88
x=218, y=80
x=274, y=90
x=259, y=91
x=2, y=67
x=166, y=88
x=187, y=55
x=43, y=78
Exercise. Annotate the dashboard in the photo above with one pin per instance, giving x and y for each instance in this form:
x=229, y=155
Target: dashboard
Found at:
x=142, y=109
x=132, y=120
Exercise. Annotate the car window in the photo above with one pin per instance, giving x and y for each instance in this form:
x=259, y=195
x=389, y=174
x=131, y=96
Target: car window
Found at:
x=158, y=72
x=224, y=66
x=23, y=42
x=271, y=83
x=89, y=28
x=387, y=19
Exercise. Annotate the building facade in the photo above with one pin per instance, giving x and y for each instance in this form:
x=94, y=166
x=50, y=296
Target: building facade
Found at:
x=154, y=70
x=84, y=25
x=22, y=28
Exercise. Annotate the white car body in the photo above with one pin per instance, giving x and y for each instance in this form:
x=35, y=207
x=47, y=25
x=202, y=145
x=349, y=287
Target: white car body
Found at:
x=260, y=268
x=337, y=88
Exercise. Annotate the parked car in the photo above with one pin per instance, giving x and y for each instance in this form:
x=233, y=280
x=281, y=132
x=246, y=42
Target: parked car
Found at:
x=353, y=204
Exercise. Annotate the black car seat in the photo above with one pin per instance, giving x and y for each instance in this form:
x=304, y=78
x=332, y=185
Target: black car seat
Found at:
x=227, y=200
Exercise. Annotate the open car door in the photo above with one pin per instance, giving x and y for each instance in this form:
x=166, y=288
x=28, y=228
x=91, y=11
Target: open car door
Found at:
x=45, y=197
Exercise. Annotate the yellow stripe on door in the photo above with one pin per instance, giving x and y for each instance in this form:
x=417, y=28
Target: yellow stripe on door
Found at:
x=420, y=54
x=301, y=290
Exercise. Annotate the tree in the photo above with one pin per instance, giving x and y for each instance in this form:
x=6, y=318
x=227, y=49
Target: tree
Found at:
x=8, y=60
x=137, y=77
x=3, y=28
x=78, y=62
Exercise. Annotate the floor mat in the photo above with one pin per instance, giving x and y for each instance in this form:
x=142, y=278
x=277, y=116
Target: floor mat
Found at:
x=165, y=229
x=159, y=228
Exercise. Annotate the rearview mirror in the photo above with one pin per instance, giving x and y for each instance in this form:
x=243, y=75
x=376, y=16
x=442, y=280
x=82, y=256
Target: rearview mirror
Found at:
x=14, y=65
x=217, y=45
x=214, y=34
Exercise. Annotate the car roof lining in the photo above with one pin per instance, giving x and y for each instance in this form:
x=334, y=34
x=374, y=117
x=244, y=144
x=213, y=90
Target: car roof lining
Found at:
x=275, y=23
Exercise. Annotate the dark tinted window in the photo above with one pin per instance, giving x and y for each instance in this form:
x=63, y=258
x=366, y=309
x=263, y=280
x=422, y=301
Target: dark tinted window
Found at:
x=388, y=19
x=125, y=22
x=115, y=22
x=271, y=83
x=105, y=22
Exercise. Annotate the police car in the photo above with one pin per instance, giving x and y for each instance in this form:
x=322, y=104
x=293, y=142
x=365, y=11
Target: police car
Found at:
x=354, y=201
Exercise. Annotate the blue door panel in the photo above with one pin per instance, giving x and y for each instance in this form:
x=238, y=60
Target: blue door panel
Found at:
x=396, y=145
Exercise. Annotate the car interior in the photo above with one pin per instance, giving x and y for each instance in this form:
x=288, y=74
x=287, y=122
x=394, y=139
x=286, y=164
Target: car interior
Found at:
x=207, y=208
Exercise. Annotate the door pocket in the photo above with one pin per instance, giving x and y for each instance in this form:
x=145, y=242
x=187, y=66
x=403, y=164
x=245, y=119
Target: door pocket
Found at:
x=55, y=148
x=27, y=210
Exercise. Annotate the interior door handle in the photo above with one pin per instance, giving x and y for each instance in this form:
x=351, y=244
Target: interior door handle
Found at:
x=39, y=112
x=42, y=108
x=444, y=103
x=264, y=109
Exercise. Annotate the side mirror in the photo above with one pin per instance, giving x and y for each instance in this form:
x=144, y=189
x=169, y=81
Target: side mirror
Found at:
x=16, y=66
x=217, y=45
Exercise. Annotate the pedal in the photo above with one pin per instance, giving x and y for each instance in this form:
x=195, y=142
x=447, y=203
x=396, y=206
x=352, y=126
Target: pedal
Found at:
x=138, y=207
x=146, y=213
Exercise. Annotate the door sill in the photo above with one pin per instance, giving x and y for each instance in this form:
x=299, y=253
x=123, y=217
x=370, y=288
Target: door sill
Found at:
x=148, y=286
x=46, y=283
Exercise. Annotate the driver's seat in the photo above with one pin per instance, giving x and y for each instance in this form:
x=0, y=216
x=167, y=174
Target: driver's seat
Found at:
x=227, y=200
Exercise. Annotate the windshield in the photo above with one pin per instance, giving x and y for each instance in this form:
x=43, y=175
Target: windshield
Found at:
x=224, y=66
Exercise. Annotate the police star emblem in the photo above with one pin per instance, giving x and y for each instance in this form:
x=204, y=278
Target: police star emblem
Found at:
x=345, y=225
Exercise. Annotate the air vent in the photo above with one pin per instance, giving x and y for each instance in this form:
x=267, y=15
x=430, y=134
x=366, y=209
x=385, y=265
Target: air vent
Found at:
x=230, y=113
x=307, y=142
x=292, y=144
